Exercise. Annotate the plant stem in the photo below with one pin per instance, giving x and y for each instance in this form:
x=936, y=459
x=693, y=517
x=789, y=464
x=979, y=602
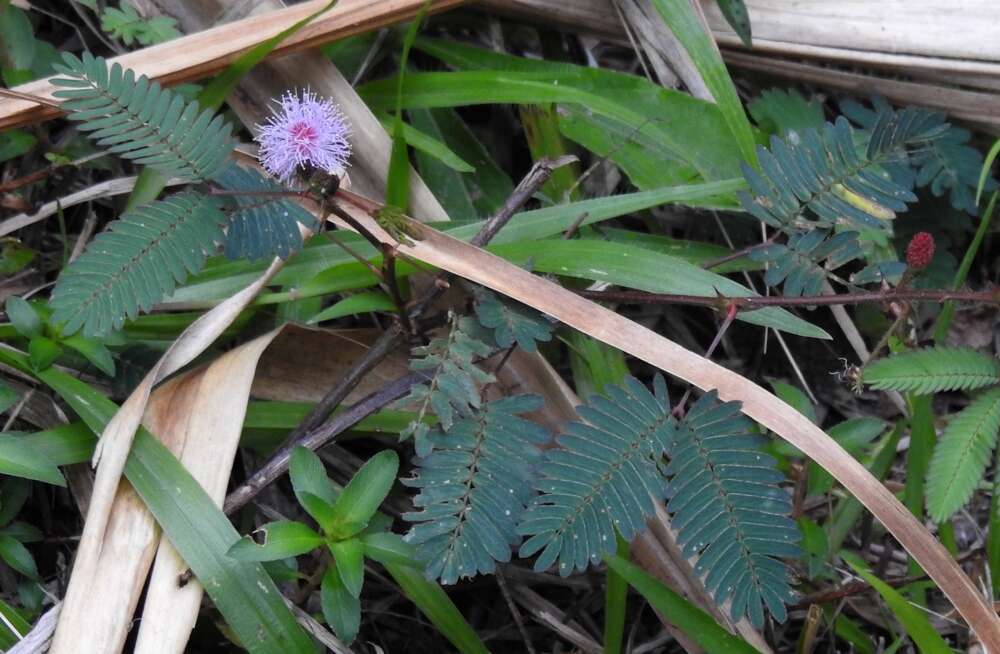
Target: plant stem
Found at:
x=750, y=303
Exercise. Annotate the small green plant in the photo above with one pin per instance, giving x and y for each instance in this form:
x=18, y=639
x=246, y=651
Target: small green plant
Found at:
x=350, y=528
x=126, y=24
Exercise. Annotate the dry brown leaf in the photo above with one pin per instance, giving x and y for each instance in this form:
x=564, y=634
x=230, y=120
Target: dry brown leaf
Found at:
x=302, y=364
x=207, y=52
x=481, y=267
x=202, y=411
x=99, y=530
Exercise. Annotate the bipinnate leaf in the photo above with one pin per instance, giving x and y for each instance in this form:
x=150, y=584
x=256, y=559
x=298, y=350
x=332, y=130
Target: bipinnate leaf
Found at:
x=933, y=370
x=962, y=454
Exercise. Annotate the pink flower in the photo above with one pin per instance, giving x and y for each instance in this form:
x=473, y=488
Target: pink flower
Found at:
x=305, y=132
x=920, y=251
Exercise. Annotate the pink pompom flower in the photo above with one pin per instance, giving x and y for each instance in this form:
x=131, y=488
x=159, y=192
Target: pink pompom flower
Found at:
x=304, y=132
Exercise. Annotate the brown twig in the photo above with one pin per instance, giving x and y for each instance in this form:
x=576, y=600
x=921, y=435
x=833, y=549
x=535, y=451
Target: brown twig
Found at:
x=382, y=348
x=528, y=186
x=736, y=254
x=757, y=302
x=317, y=438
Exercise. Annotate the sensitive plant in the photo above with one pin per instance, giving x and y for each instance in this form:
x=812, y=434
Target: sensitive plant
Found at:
x=487, y=486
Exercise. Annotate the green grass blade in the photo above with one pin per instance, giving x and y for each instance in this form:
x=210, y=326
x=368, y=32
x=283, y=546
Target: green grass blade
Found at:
x=397, y=186
x=243, y=592
x=914, y=620
x=438, y=607
x=684, y=615
x=683, y=21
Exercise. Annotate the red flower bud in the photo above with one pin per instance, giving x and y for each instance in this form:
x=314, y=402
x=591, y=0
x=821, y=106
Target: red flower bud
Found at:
x=920, y=251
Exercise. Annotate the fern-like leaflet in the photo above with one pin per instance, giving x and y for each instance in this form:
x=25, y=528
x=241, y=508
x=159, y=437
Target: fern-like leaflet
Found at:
x=260, y=226
x=453, y=384
x=473, y=489
x=933, y=370
x=816, y=180
x=137, y=261
x=946, y=164
x=803, y=262
x=603, y=478
x=729, y=510
x=139, y=120
x=961, y=456
x=511, y=322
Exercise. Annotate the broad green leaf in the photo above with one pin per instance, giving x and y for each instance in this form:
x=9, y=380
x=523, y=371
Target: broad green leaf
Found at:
x=645, y=270
x=320, y=510
x=349, y=560
x=14, y=143
x=695, y=623
x=42, y=352
x=19, y=458
x=309, y=474
x=244, y=594
x=282, y=539
x=434, y=603
x=853, y=435
x=24, y=317
x=914, y=620
x=711, y=155
x=17, y=38
x=8, y=397
x=354, y=304
x=795, y=397
x=670, y=118
x=94, y=351
x=962, y=454
x=17, y=556
x=933, y=370
x=341, y=610
x=389, y=549
x=362, y=496
x=682, y=19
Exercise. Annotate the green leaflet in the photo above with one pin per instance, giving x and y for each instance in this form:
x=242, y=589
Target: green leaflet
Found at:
x=933, y=370
x=474, y=486
x=961, y=456
x=822, y=172
x=803, y=262
x=139, y=120
x=726, y=504
x=136, y=262
x=601, y=480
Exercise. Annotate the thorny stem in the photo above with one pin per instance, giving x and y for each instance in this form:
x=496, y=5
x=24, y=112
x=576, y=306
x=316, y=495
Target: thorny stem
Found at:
x=756, y=302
